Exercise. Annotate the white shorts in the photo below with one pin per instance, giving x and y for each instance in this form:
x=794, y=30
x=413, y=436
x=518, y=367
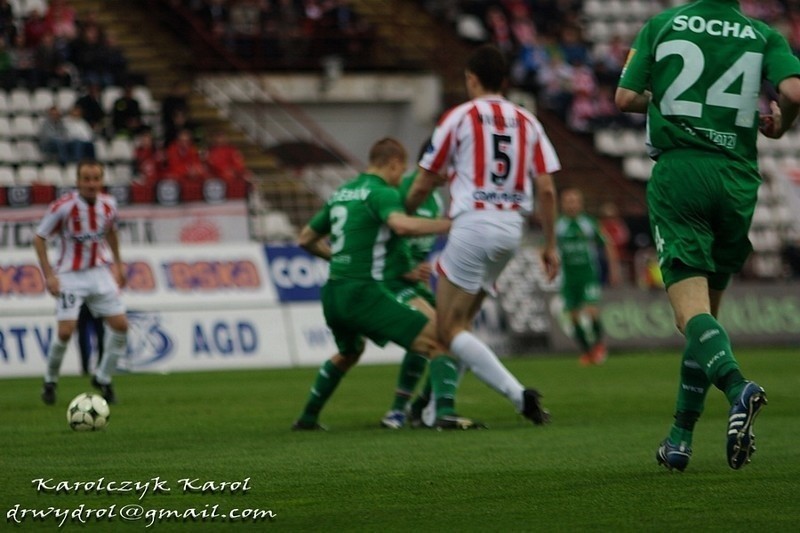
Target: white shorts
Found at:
x=95, y=286
x=479, y=246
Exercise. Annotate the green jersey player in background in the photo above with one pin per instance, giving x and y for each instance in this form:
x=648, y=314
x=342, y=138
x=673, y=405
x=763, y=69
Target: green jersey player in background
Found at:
x=365, y=220
x=580, y=241
x=696, y=71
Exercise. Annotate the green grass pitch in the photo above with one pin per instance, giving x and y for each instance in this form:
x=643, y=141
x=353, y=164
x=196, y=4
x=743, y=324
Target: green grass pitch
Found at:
x=592, y=469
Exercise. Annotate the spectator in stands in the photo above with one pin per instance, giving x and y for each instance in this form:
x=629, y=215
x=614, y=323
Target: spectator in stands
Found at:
x=500, y=30
x=582, y=107
x=126, y=115
x=61, y=18
x=180, y=121
x=183, y=162
x=216, y=16
x=90, y=54
x=555, y=81
x=91, y=106
x=24, y=62
x=54, y=140
x=148, y=157
x=618, y=234
x=7, y=76
x=176, y=100
x=51, y=68
x=225, y=161
x=80, y=135
x=35, y=28
x=117, y=63
x=8, y=28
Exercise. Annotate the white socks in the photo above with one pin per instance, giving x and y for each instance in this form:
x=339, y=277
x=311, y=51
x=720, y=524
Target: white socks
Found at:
x=115, y=346
x=483, y=362
x=55, y=354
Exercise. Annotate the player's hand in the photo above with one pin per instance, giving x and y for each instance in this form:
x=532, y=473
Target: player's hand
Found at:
x=771, y=125
x=53, y=285
x=551, y=262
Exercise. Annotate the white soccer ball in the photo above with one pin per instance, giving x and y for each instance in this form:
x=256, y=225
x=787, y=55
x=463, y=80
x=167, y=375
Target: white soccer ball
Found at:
x=88, y=412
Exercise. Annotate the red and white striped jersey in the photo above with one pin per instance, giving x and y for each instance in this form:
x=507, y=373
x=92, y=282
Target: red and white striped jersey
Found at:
x=81, y=229
x=491, y=149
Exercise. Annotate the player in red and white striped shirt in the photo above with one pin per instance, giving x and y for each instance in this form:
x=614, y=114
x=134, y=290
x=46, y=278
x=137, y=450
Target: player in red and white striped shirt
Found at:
x=491, y=153
x=89, y=269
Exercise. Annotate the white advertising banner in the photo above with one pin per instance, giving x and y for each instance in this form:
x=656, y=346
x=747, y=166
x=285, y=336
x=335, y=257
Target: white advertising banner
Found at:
x=160, y=341
x=144, y=224
x=160, y=278
x=314, y=341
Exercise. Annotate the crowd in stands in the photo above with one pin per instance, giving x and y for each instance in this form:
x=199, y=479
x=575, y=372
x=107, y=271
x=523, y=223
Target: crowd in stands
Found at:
x=283, y=31
x=46, y=46
x=551, y=56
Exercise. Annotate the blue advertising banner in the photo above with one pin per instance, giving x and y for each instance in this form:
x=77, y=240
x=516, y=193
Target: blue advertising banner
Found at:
x=297, y=275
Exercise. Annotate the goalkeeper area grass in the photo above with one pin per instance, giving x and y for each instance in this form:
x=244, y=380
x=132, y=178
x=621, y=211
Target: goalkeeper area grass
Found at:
x=206, y=451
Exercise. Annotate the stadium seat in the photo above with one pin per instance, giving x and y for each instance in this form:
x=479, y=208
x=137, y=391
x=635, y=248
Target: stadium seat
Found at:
x=121, y=150
x=19, y=102
x=8, y=155
x=27, y=174
x=28, y=151
x=52, y=174
x=24, y=127
x=122, y=173
x=147, y=104
x=5, y=128
x=109, y=96
x=101, y=150
x=6, y=176
x=42, y=100
x=66, y=98
x=3, y=103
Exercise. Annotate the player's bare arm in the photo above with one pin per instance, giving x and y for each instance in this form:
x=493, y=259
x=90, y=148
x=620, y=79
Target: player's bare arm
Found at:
x=546, y=207
x=632, y=102
x=50, y=278
x=423, y=184
x=313, y=243
x=408, y=226
x=119, y=268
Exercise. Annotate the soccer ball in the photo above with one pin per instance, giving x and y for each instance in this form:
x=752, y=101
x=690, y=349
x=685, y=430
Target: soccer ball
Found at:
x=88, y=412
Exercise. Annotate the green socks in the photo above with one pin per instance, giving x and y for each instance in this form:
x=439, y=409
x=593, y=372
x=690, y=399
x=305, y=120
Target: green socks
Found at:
x=708, y=359
x=327, y=380
x=444, y=383
x=411, y=370
x=710, y=347
x=580, y=336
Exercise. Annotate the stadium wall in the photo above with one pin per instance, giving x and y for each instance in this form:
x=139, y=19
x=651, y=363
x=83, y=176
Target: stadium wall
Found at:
x=247, y=305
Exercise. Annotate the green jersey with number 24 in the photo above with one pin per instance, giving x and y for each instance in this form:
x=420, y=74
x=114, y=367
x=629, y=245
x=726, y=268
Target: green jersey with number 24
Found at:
x=363, y=247
x=704, y=63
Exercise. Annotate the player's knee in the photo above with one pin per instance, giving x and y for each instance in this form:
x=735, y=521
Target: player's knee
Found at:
x=345, y=362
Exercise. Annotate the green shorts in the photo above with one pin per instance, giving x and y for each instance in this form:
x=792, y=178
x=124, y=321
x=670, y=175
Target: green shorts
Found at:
x=701, y=206
x=357, y=309
x=580, y=291
x=405, y=291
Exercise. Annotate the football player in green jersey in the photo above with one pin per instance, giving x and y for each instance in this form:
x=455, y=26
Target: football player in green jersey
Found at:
x=696, y=71
x=365, y=221
x=579, y=240
x=414, y=284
